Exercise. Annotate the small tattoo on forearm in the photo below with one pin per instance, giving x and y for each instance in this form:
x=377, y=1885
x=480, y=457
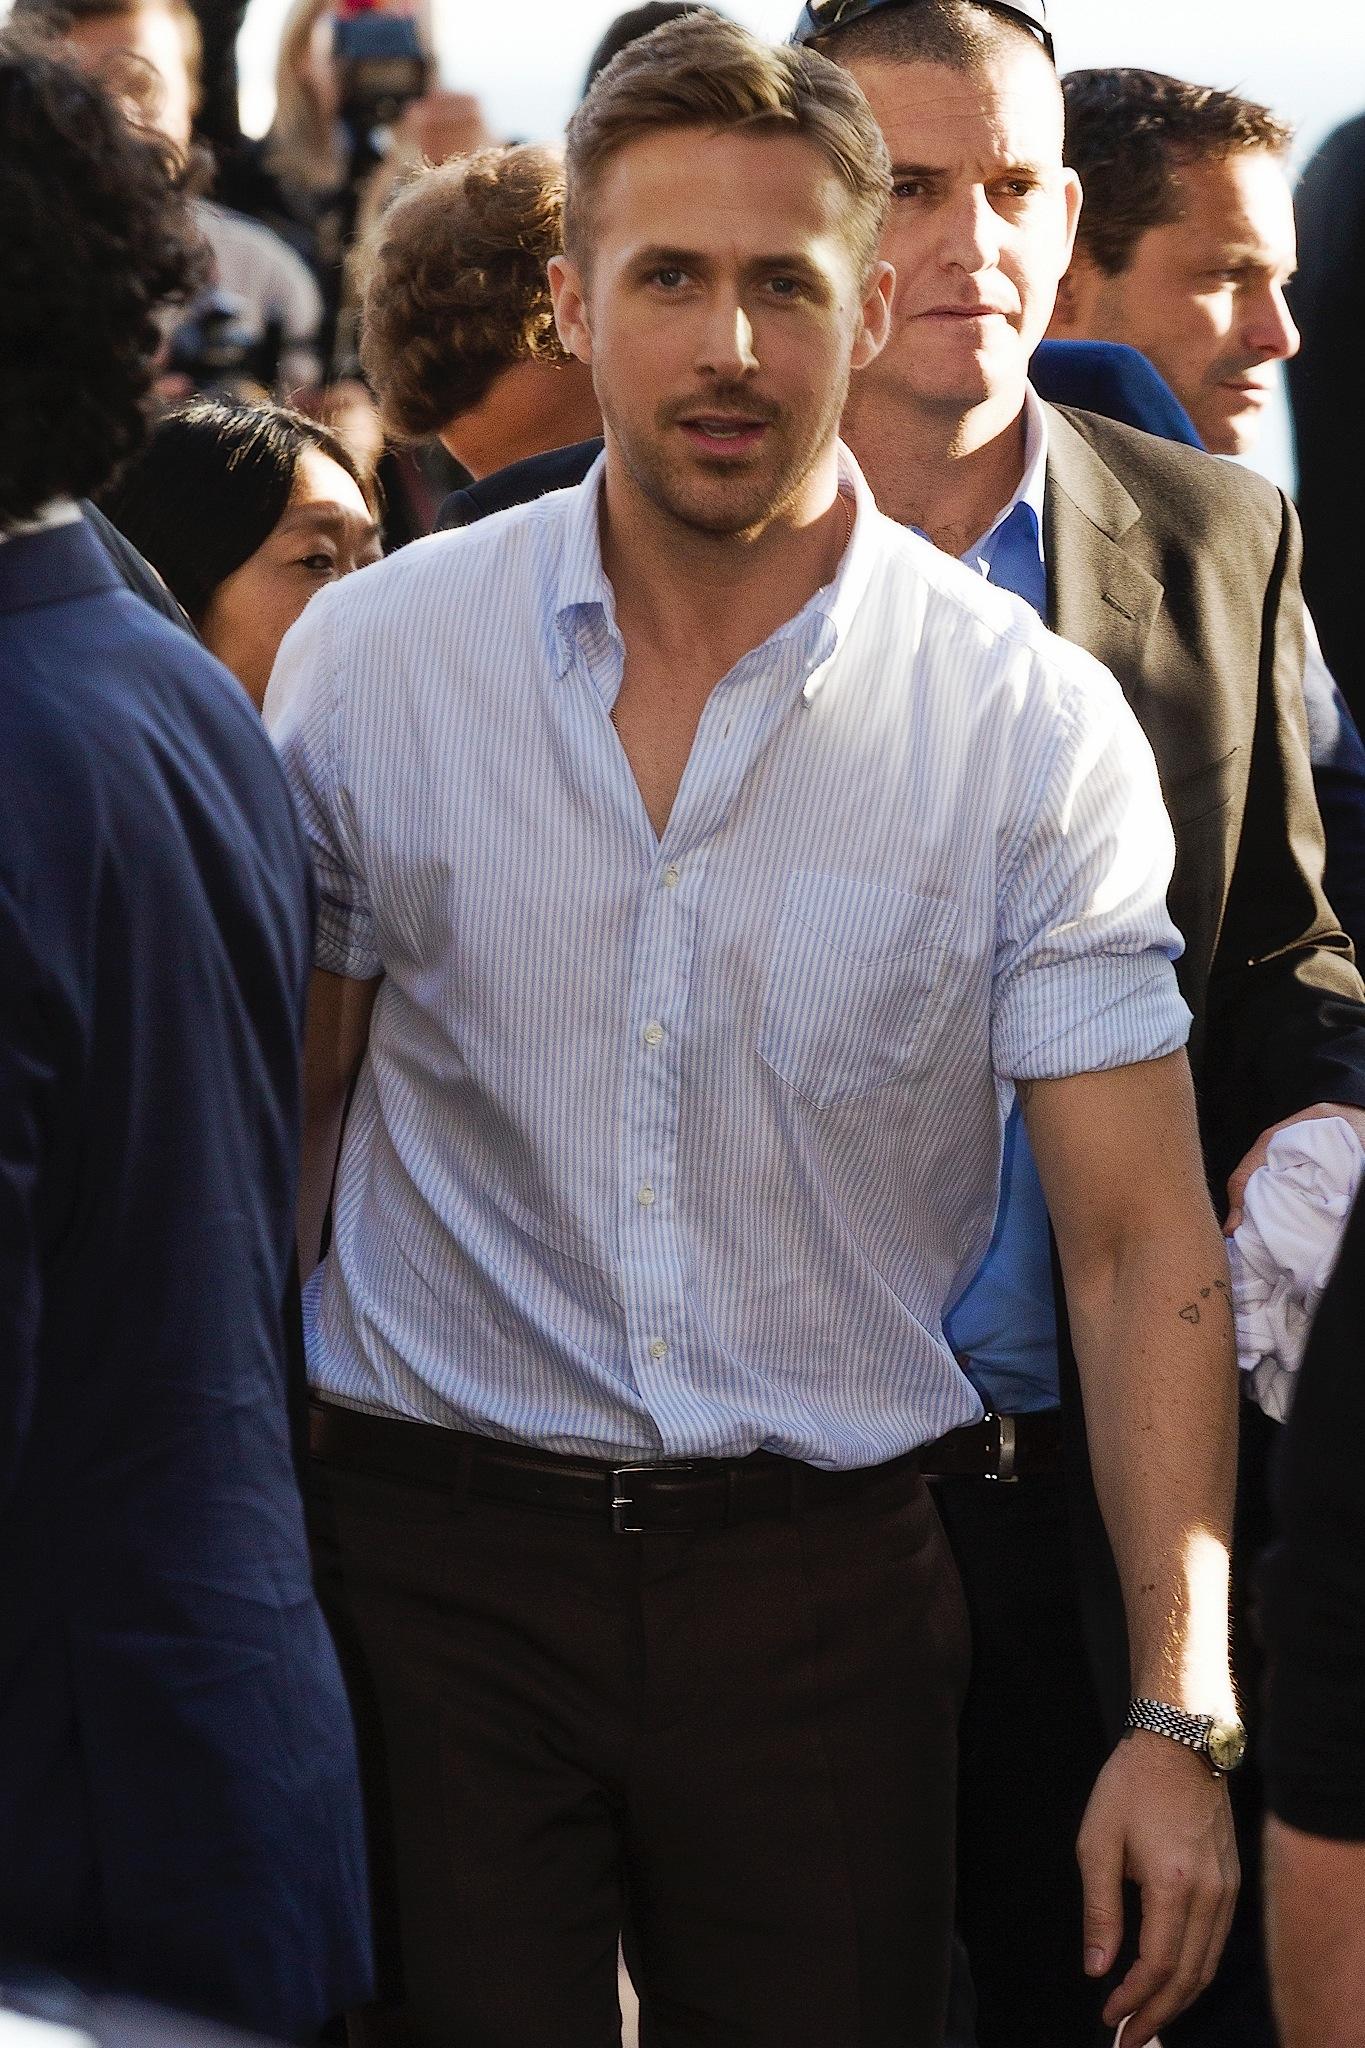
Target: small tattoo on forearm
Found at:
x=1216, y=1291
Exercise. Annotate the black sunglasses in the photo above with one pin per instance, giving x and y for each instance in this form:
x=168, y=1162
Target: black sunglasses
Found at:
x=819, y=17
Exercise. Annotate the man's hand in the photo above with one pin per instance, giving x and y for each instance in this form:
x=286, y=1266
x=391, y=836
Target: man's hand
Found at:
x=1237, y=1182
x=1158, y=1817
x=442, y=124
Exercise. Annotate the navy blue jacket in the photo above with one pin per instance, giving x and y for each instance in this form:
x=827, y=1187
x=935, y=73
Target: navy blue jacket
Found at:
x=179, y=1806
x=1109, y=378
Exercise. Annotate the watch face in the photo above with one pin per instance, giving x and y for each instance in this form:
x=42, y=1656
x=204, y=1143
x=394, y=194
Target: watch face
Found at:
x=1227, y=1743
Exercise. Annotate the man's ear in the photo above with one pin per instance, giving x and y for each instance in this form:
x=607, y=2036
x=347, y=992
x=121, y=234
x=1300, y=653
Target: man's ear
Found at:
x=1062, y=326
x=875, y=330
x=1066, y=314
x=569, y=296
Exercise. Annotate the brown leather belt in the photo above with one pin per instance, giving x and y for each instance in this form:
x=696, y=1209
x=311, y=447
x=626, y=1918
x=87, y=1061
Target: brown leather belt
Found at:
x=672, y=1496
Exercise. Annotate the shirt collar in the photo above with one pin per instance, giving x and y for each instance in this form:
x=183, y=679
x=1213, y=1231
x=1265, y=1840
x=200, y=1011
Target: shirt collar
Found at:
x=1032, y=486
x=582, y=580
x=56, y=512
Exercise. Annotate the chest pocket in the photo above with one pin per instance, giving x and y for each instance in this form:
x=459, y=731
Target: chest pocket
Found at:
x=855, y=966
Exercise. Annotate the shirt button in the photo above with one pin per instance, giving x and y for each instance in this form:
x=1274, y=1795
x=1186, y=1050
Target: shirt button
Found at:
x=658, y=1349
x=654, y=1034
x=671, y=878
x=646, y=1196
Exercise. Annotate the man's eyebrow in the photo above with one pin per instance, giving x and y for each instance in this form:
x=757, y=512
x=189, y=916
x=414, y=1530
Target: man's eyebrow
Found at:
x=655, y=256
x=1246, y=256
x=659, y=258
x=1024, y=168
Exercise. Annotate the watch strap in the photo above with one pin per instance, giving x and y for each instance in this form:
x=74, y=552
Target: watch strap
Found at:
x=1192, y=1731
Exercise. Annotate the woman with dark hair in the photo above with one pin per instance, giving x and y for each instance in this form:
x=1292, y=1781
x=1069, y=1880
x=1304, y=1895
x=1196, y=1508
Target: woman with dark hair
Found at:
x=246, y=510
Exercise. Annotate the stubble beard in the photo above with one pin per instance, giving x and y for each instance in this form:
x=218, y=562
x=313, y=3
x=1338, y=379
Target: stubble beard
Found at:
x=719, y=499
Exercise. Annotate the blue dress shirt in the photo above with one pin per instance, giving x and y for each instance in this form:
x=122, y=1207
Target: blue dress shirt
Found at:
x=1003, y=1326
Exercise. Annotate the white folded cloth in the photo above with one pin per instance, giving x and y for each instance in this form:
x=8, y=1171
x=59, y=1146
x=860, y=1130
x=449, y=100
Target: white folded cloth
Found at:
x=1283, y=1251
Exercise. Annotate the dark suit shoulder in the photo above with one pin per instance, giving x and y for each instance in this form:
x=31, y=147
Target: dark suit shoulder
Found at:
x=113, y=722
x=1175, y=484
x=521, y=482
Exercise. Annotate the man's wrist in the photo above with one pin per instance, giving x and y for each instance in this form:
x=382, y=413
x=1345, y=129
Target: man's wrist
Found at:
x=1217, y=1740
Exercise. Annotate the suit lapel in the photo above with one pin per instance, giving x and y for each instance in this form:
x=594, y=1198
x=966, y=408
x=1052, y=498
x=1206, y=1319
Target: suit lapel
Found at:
x=1098, y=596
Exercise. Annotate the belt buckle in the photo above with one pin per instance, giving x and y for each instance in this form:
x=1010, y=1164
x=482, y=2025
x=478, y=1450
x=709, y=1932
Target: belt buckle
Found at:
x=621, y=1498
x=1006, y=1450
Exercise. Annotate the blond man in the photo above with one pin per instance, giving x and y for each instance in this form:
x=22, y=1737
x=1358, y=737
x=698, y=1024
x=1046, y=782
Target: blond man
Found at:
x=700, y=854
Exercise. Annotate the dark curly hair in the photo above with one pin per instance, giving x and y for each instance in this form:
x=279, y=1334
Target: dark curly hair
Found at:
x=95, y=237
x=1128, y=134
x=457, y=290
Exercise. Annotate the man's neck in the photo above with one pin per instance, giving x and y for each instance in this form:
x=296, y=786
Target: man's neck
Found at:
x=949, y=474
x=707, y=599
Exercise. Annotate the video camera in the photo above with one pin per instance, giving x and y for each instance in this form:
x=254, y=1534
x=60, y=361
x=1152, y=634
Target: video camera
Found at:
x=217, y=350
x=382, y=65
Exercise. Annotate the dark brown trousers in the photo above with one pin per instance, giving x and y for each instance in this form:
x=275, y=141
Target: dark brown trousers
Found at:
x=741, y=1741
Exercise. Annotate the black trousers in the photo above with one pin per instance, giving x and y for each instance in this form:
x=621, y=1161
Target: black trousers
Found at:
x=744, y=1739
x=1032, y=1744
x=1033, y=1741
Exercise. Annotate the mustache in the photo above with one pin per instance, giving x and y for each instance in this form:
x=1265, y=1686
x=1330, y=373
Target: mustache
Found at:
x=722, y=399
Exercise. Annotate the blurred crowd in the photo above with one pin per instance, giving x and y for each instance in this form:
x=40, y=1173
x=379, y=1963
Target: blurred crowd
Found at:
x=389, y=1281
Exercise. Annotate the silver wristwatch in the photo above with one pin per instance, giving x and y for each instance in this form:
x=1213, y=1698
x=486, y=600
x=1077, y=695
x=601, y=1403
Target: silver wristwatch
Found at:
x=1220, y=1742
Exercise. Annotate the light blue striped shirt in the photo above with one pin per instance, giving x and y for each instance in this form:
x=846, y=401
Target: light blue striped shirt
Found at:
x=679, y=1147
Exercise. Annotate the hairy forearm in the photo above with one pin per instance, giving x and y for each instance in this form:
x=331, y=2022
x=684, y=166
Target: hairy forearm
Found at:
x=1153, y=1328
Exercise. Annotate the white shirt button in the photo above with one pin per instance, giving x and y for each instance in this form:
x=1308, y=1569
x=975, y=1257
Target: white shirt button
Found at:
x=658, y=1349
x=654, y=1034
x=645, y=1196
x=671, y=877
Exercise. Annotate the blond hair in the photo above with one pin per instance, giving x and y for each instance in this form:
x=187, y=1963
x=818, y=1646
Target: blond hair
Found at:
x=301, y=147
x=707, y=72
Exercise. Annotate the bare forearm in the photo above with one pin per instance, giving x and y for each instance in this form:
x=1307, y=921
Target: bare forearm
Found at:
x=317, y=1170
x=339, y=1012
x=1154, y=1339
x=1315, y=1914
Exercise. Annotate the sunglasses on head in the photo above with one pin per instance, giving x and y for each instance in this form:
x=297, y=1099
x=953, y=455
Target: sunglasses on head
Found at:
x=822, y=17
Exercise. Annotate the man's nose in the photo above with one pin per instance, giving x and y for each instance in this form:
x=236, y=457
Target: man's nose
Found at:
x=726, y=342
x=1270, y=331
x=970, y=231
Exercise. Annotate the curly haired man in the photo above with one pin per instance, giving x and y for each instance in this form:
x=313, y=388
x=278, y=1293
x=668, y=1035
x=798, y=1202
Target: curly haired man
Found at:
x=178, y=1797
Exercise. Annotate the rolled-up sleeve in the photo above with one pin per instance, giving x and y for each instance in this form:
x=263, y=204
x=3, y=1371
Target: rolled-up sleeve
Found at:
x=1084, y=979
x=304, y=712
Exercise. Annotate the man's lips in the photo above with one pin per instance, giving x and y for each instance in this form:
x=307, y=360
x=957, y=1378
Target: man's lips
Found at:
x=724, y=433
x=964, y=313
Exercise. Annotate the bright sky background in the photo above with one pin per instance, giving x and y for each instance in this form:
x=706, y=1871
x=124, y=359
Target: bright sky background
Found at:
x=525, y=58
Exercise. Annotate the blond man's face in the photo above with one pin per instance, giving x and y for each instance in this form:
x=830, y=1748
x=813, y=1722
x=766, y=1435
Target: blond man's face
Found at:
x=722, y=314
